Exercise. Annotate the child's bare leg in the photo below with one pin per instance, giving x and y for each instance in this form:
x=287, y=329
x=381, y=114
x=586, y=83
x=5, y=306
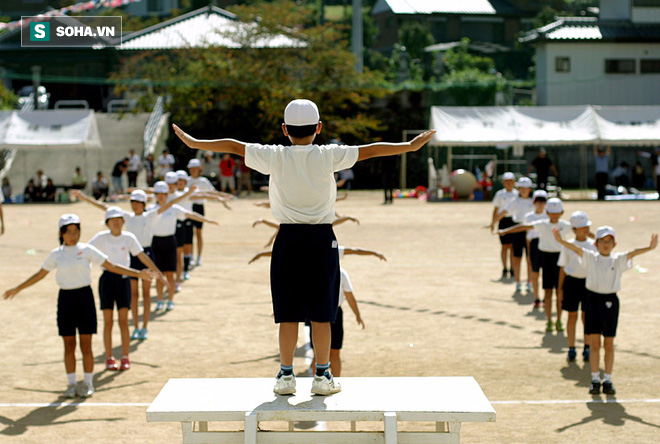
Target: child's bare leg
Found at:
x=516, y=268
x=571, y=327
x=170, y=280
x=69, y=353
x=530, y=273
x=608, y=345
x=321, y=335
x=88, y=356
x=503, y=255
x=107, y=331
x=584, y=331
x=123, y=329
x=547, y=302
x=134, y=303
x=159, y=289
x=594, y=344
x=200, y=242
x=335, y=361
x=179, y=263
x=535, y=284
x=146, y=302
x=288, y=341
x=559, y=308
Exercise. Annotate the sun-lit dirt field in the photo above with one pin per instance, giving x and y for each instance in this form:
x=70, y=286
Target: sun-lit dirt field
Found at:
x=436, y=307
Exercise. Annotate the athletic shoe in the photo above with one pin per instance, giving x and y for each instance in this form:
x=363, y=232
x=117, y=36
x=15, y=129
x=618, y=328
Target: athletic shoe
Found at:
x=586, y=353
x=518, y=286
x=511, y=273
x=144, y=334
x=70, y=391
x=530, y=287
x=111, y=363
x=285, y=385
x=199, y=262
x=571, y=354
x=549, y=326
x=559, y=325
x=136, y=334
x=177, y=287
x=608, y=388
x=85, y=390
x=537, y=303
x=125, y=364
x=325, y=385
x=160, y=305
x=186, y=276
x=595, y=388
x=504, y=274
x=170, y=305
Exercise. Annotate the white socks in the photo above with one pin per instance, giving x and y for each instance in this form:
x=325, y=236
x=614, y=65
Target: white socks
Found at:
x=607, y=377
x=89, y=378
x=595, y=376
x=71, y=377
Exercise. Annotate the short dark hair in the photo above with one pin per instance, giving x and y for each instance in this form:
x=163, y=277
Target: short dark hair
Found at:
x=63, y=230
x=300, y=131
x=540, y=199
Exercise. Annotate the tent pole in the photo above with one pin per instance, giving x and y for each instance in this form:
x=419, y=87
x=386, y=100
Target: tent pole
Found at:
x=449, y=156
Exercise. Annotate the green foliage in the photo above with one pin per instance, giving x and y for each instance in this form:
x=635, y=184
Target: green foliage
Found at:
x=459, y=59
x=8, y=100
x=546, y=16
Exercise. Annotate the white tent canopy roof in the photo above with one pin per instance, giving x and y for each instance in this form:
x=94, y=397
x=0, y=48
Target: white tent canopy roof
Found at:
x=43, y=129
x=550, y=125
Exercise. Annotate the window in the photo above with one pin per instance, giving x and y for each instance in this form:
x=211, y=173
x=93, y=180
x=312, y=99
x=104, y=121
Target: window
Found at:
x=154, y=5
x=620, y=66
x=647, y=3
x=563, y=64
x=649, y=66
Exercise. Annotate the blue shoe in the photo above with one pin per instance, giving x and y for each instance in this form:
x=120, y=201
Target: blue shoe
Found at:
x=160, y=305
x=586, y=353
x=571, y=354
x=170, y=305
x=136, y=334
x=144, y=334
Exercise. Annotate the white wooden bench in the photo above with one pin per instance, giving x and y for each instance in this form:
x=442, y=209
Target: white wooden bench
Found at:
x=447, y=401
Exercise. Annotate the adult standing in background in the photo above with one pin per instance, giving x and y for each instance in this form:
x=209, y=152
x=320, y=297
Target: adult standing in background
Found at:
x=389, y=177
x=117, y=171
x=40, y=182
x=165, y=163
x=244, y=178
x=134, y=164
x=602, y=166
x=150, y=170
x=6, y=190
x=655, y=161
x=542, y=164
x=78, y=182
x=227, y=180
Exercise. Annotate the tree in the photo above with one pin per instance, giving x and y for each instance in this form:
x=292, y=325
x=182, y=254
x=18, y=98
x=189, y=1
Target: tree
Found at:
x=8, y=99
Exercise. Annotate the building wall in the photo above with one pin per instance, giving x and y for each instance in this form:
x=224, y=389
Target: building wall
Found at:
x=587, y=82
x=646, y=15
x=147, y=8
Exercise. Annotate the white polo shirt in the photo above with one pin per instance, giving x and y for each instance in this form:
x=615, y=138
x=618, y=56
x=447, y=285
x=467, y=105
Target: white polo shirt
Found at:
x=141, y=226
x=503, y=198
x=604, y=272
x=134, y=163
x=165, y=222
x=532, y=217
x=118, y=248
x=302, y=187
x=186, y=203
x=573, y=265
x=519, y=207
x=203, y=185
x=344, y=285
x=341, y=251
x=547, y=240
x=73, y=264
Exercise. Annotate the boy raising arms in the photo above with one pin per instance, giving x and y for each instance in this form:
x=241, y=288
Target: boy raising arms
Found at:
x=604, y=270
x=302, y=193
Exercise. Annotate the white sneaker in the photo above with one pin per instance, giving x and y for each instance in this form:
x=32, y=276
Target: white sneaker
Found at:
x=70, y=391
x=199, y=262
x=285, y=385
x=518, y=286
x=321, y=385
x=85, y=390
x=177, y=287
x=186, y=276
x=530, y=288
x=160, y=305
x=170, y=306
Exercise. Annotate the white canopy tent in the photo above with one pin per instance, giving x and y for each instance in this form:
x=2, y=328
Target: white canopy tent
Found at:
x=55, y=141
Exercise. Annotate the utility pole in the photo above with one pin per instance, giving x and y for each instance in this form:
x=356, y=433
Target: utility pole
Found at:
x=36, y=82
x=356, y=35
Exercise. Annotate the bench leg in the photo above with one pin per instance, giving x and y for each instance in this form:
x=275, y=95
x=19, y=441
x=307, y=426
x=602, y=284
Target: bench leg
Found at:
x=455, y=431
x=353, y=426
x=187, y=430
x=389, y=418
x=251, y=425
x=203, y=426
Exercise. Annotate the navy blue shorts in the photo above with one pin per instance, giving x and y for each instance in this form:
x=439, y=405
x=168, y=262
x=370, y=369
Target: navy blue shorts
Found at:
x=574, y=293
x=180, y=233
x=535, y=254
x=136, y=264
x=114, y=289
x=336, y=331
x=198, y=208
x=550, y=269
x=602, y=314
x=76, y=311
x=519, y=243
x=164, y=249
x=506, y=222
x=188, y=231
x=304, y=274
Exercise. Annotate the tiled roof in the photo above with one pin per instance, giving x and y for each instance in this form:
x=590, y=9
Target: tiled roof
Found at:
x=209, y=26
x=488, y=7
x=588, y=28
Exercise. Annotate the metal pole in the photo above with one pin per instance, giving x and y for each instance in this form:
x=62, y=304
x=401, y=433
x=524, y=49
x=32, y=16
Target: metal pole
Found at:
x=36, y=82
x=356, y=36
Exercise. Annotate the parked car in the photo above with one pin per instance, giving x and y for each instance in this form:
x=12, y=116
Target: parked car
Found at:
x=26, y=94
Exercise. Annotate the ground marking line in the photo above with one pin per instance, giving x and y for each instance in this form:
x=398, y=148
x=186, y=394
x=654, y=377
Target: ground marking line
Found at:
x=579, y=401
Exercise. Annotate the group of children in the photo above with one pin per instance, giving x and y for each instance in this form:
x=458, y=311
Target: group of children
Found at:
x=583, y=271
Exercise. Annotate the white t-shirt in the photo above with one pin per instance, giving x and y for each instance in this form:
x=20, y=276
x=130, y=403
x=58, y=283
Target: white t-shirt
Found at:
x=2, y=198
x=186, y=203
x=341, y=251
x=344, y=286
x=503, y=198
x=165, y=163
x=573, y=265
x=165, y=222
x=604, y=272
x=117, y=248
x=532, y=217
x=141, y=226
x=203, y=185
x=134, y=163
x=73, y=264
x=519, y=207
x=302, y=187
x=547, y=240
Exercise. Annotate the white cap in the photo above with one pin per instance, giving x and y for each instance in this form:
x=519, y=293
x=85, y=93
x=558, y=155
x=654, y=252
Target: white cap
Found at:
x=554, y=205
x=139, y=196
x=194, y=163
x=113, y=212
x=579, y=219
x=161, y=187
x=181, y=175
x=508, y=176
x=68, y=219
x=301, y=112
x=605, y=230
x=540, y=193
x=171, y=177
x=525, y=182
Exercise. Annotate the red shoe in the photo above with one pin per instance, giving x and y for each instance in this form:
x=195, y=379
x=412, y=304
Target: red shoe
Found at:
x=111, y=363
x=125, y=364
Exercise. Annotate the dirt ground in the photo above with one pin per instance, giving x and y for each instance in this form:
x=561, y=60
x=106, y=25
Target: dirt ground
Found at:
x=435, y=308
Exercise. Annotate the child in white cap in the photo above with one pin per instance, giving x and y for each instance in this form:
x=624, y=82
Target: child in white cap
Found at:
x=76, y=311
x=305, y=264
x=539, y=199
x=604, y=269
x=549, y=249
x=501, y=201
x=572, y=277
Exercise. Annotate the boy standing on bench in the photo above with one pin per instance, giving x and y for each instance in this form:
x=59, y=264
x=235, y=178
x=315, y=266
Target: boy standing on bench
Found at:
x=304, y=270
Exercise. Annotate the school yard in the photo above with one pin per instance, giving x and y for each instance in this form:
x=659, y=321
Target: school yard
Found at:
x=435, y=308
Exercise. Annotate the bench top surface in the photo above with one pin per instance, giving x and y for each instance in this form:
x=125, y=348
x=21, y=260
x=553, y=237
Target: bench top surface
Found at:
x=460, y=396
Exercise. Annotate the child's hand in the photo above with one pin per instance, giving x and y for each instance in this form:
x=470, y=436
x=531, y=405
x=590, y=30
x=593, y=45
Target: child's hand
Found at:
x=185, y=138
x=557, y=234
x=75, y=193
x=381, y=257
x=213, y=222
x=421, y=139
x=10, y=293
x=257, y=222
x=147, y=274
x=654, y=241
x=359, y=320
x=501, y=232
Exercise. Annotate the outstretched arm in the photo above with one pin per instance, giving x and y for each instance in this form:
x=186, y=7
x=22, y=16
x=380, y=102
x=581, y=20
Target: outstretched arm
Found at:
x=260, y=255
x=341, y=220
x=199, y=218
x=219, y=145
x=79, y=194
x=390, y=149
x=167, y=205
x=515, y=229
x=638, y=251
x=363, y=252
x=39, y=275
x=342, y=197
x=146, y=260
x=353, y=304
x=265, y=222
x=126, y=271
x=574, y=248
